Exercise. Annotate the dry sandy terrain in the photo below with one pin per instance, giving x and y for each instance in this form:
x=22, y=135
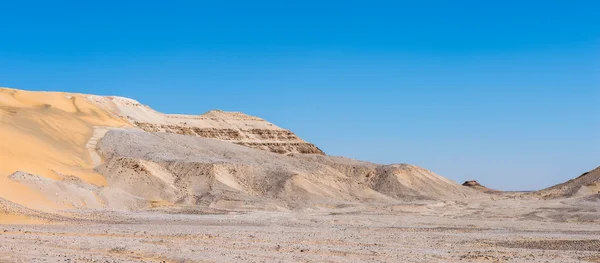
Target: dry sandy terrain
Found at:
x=404, y=232
x=85, y=178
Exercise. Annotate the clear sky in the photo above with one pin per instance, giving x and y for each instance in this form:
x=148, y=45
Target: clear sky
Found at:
x=505, y=92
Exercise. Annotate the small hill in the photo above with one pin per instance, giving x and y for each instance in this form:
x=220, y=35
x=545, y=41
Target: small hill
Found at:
x=586, y=184
x=477, y=186
x=199, y=171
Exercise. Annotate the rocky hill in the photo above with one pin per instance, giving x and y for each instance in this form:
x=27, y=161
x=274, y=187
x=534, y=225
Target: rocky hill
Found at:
x=65, y=151
x=586, y=184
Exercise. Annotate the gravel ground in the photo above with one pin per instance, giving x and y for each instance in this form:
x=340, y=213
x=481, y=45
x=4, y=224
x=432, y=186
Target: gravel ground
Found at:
x=343, y=235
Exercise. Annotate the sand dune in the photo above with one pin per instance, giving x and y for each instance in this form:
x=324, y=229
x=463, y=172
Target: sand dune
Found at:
x=45, y=134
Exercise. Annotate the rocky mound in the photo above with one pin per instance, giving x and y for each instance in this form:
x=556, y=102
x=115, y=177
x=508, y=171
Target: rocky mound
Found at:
x=586, y=184
x=472, y=183
x=477, y=186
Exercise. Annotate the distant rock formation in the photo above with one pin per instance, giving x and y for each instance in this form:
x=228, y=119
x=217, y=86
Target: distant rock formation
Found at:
x=475, y=185
x=472, y=183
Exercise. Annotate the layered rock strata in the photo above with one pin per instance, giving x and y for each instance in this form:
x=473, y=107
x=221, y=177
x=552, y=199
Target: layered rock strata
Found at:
x=234, y=127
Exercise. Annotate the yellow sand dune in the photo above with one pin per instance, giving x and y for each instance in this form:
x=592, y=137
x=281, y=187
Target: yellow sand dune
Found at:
x=45, y=133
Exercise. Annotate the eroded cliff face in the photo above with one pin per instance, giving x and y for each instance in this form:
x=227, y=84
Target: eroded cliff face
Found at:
x=278, y=141
x=234, y=127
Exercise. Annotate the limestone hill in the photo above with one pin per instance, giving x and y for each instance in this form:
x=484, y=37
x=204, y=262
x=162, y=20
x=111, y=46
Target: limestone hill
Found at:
x=64, y=151
x=233, y=127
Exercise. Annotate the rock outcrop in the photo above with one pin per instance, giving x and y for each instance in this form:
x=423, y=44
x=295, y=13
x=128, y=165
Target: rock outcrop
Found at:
x=235, y=127
x=477, y=186
x=472, y=183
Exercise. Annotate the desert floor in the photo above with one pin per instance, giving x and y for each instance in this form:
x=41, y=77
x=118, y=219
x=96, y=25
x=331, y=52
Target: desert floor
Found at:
x=504, y=230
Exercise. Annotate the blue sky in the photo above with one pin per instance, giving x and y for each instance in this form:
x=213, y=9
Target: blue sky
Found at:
x=505, y=92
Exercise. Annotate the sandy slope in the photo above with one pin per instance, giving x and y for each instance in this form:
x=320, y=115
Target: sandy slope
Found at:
x=203, y=171
x=46, y=134
x=584, y=185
